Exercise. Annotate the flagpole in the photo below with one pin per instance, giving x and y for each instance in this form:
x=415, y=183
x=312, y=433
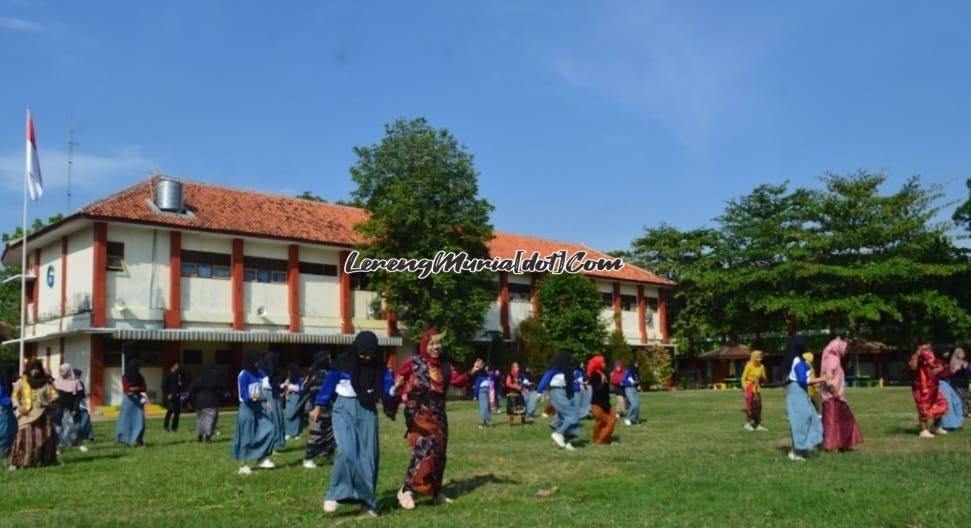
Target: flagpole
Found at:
x=23, y=268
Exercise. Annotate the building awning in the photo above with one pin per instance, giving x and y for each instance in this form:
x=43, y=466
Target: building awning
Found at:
x=215, y=336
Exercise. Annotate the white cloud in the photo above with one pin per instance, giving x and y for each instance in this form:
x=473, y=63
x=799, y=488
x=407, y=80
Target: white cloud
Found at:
x=90, y=172
x=19, y=24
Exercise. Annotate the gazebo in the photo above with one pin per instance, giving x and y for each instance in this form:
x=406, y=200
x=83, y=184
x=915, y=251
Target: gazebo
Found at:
x=722, y=368
x=877, y=351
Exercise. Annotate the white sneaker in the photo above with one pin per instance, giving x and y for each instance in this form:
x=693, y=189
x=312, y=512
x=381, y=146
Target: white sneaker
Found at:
x=939, y=431
x=793, y=456
x=569, y=447
x=330, y=506
x=295, y=438
x=926, y=434
x=558, y=439
x=309, y=464
x=441, y=499
x=627, y=422
x=367, y=511
x=11, y=468
x=286, y=437
x=84, y=448
x=749, y=428
x=761, y=429
x=266, y=463
x=245, y=470
x=406, y=500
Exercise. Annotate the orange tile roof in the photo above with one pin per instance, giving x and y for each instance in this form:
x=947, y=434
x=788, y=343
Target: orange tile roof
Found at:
x=236, y=211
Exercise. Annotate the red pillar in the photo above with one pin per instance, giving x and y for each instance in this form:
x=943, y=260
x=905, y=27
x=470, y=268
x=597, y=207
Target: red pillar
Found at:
x=641, y=313
x=98, y=301
x=170, y=353
x=504, y=304
x=392, y=321
x=662, y=313
x=534, y=295
x=173, y=315
x=96, y=371
x=237, y=284
x=293, y=286
x=347, y=325
x=617, y=324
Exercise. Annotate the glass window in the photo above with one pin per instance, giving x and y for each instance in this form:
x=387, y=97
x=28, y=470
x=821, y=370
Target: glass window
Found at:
x=204, y=271
x=192, y=357
x=608, y=299
x=188, y=270
x=279, y=276
x=263, y=275
x=249, y=274
x=221, y=272
x=224, y=357
x=116, y=256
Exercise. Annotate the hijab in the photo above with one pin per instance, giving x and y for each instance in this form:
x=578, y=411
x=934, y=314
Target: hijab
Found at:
x=208, y=377
x=251, y=361
x=35, y=381
x=66, y=382
x=794, y=351
x=6, y=378
x=617, y=376
x=364, y=362
x=133, y=372
x=563, y=362
x=441, y=362
x=294, y=372
x=597, y=364
x=831, y=365
x=957, y=359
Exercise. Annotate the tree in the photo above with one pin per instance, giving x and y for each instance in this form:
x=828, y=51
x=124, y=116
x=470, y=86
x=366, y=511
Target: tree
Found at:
x=571, y=305
x=307, y=195
x=963, y=213
x=421, y=188
x=617, y=349
x=539, y=346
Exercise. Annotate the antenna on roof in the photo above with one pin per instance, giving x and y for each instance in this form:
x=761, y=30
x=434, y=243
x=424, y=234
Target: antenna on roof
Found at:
x=70, y=161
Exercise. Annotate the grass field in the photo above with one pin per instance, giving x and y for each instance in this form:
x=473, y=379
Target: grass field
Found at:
x=691, y=464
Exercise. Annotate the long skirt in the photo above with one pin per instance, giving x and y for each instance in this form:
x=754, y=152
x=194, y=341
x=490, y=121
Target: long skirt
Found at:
x=633, y=404
x=530, y=404
x=839, y=426
x=276, y=413
x=753, y=405
x=965, y=403
x=8, y=430
x=428, y=437
x=320, y=435
x=515, y=404
x=354, y=477
x=35, y=444
x=254, y=435
x=931, y=403
x=206, y=421
x=131, y=421
x=294, y=421
x=68, y=432
x=804, y=423
x=603, y=424
x=484, y=415
x=954, y=418
x=85, y=429
x=568, y=423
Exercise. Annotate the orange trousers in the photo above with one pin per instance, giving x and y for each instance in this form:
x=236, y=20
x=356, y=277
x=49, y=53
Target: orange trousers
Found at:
x=603, y=426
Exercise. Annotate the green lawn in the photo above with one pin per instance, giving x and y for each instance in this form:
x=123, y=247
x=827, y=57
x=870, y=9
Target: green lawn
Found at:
x=691, y=464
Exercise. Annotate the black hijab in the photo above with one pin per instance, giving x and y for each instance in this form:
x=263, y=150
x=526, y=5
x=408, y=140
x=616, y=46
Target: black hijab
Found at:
x=208, y=377
x=133, y=372
x=251, y=361
x=7, y=374
x=294, y=372
x=795, y=349
x=367, y=375
x=563, y=362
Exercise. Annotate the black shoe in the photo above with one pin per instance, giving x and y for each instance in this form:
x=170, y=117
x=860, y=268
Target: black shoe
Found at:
x=200, y=438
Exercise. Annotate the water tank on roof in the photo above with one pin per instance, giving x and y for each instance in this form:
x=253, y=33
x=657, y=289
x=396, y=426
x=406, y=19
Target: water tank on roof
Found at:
x=168, y=195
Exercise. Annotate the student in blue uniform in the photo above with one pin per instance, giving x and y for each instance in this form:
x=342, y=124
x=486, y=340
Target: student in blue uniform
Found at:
x=255, y=431
x=529, y=394
x=273, y=386
x=85, y=431
x=355, y=384
x=8, y=422
x=481, y=390
x=632, y=384
x=558, y=379
x=130, y=427
x=804, y=423
x=581, y=392
x=294, y=421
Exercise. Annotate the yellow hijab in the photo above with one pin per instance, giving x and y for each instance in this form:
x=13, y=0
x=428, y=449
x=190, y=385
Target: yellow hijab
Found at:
x=809, y=357
x=754, y=372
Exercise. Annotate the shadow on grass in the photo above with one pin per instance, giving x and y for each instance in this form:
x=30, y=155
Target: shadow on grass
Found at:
x=453, y=489
x=900, y=430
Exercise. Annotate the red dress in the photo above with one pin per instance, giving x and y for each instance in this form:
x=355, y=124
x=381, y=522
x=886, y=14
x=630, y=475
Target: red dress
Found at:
x=931, y=404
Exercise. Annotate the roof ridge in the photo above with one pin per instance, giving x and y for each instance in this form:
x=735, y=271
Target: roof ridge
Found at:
x=264, y=193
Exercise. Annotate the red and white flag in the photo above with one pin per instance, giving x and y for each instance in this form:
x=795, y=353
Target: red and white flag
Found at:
x=35, y=185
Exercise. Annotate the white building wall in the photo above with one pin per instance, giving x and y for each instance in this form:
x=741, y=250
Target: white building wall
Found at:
x=77, y=352
x=206, y=303
x=49, y=300
x=273, y=297
x=80, y=273
x=319, y=294
x=139, y=291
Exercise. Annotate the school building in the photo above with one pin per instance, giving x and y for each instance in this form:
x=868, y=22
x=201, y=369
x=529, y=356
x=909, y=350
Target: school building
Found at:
x=171, y=270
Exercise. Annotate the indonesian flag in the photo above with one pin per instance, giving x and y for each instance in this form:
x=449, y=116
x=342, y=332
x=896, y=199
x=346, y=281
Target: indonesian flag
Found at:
x=35, y=186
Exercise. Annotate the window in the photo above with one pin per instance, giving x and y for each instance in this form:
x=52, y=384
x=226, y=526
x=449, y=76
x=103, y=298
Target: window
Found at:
x=205, y=265
x=264, y=270
x=359, y=281
x=192, y=357
x=608, y=299
x=224, y=357
x=116, y=256
x=628, y=303
x=312, y=268
x=652, y=304
x=520, y=292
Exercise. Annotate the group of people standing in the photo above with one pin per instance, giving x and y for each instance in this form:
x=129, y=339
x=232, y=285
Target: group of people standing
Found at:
x=940, y=389
x=41, y=416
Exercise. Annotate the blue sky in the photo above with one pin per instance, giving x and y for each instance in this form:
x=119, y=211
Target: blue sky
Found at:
x=587, y=120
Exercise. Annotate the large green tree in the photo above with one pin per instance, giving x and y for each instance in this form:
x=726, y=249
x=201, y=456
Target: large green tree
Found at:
x=571, y=306
x=421, y=188
x=963, y=213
